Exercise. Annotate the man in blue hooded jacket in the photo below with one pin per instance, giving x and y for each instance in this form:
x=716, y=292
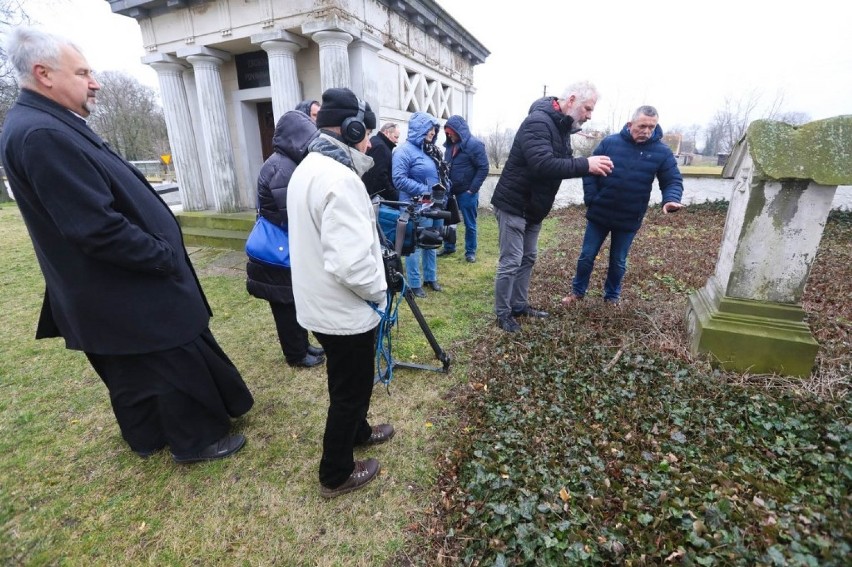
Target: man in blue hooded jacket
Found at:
x=468, y=163
x=617, y=204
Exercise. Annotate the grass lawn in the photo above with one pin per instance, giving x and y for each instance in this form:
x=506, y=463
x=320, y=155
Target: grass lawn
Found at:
x=590, y=438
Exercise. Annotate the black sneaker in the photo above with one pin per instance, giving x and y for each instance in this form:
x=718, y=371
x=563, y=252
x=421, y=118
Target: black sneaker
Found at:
x=224, y=447
x=470, y=258
x=508, y=324
x=434, y=285
x=315, y=350
x=530, y=312
x=308, y=362
x=418, y=292
x=364, y=472
x=444, y=252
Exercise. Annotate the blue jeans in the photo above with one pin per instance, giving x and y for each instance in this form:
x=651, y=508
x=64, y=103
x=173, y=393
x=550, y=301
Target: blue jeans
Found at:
x=518, y=242
x=413, y=276
x=619, y=246
x=468, y=207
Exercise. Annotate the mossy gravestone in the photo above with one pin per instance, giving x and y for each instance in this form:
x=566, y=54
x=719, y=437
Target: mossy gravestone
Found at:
x=749, y=314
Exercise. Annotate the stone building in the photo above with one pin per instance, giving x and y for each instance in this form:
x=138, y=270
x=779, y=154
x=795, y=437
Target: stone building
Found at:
x=229, y=68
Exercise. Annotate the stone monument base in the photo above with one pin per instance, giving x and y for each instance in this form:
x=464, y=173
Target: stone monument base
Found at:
x=750, y=336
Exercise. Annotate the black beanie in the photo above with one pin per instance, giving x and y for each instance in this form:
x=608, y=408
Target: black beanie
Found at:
x=340, y=104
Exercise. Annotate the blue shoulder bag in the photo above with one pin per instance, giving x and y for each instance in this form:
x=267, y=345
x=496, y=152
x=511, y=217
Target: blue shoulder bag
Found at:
x=268, y=243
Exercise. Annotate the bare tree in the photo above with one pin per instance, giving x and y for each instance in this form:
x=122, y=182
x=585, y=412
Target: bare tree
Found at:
x=498, y=143
x=129, y=117
x=794, y=118
x=730, y=123
x=12, y=14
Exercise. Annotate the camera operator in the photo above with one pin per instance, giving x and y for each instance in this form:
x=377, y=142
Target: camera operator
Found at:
x=417, y=167
x=338, y=273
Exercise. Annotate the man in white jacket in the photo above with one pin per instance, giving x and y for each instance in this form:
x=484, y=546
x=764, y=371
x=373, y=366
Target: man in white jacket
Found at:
x=338, y=279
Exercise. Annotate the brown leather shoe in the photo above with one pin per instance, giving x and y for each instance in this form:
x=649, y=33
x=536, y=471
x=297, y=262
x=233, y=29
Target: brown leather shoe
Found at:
x=570, y=300
x=382, y=433
x=364, y=472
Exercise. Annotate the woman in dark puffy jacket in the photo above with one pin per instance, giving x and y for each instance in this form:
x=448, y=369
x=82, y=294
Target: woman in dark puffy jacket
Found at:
x=293, y=132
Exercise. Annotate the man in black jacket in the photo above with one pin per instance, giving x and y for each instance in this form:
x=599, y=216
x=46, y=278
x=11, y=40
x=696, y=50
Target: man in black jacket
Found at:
x=540, y=158
x=378, y=179
x=119, y=285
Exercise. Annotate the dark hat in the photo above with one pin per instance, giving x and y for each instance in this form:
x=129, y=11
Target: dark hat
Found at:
x=340, y=104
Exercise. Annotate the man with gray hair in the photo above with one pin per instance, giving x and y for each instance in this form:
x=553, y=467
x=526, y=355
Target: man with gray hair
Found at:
x=616, y=205
x=540, y=158
x=378, y=180
x=119, y=285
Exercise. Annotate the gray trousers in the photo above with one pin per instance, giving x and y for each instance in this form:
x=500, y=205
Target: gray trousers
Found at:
x=518, y=241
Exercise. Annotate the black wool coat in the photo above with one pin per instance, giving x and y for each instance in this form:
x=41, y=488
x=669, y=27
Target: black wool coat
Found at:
x=378, y=179
x=117, y=277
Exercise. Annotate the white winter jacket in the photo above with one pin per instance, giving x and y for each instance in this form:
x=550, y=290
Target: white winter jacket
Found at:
x=335, y=255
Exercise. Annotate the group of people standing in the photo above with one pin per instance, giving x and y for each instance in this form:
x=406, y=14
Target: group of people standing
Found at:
x=119, y=285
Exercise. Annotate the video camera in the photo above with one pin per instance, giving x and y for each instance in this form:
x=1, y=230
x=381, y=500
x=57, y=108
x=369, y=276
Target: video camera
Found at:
x=399, y=222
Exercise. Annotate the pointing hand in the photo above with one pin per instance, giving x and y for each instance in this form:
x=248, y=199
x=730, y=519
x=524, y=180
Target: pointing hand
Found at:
x=600, y=165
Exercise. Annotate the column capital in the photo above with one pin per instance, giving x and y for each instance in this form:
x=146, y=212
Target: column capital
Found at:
x=276, y=47
x=369, y=41
x=165, y=63
x=280, y=36
x=331, y=24
x=200, y=51
x=329, y=37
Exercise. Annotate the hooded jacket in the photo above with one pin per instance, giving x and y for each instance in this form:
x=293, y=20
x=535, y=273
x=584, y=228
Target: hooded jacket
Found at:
x=619, y=201
x=335, y=251
x=468, y=159
x=290, y=143
x=540, y=158
x=413, y=172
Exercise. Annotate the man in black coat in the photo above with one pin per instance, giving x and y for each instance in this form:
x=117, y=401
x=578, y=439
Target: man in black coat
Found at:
x=540, y=158
x=119, y=285
x=378, y=179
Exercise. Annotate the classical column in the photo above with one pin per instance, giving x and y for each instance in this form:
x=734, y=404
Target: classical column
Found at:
x=281, y=48
x=749, y=314
x=334, y=58
x=181, y=132
x=364, y=70
x=214, y=124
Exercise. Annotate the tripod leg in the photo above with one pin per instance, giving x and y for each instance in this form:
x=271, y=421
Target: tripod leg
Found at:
x=439, y=352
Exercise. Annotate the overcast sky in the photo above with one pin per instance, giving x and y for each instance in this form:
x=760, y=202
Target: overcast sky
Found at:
x=683, y=57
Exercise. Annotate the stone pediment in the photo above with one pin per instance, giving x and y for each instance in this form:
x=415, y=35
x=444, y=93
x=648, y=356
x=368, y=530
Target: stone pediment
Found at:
x=820, y=151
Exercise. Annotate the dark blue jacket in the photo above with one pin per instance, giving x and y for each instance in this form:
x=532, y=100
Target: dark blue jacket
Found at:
x=117, y=277
x=294, y=131
x=468, y=160
x=541, y=157
x=619, y=200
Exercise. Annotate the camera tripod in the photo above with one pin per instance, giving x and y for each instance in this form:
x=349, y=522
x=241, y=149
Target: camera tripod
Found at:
x=390, y=362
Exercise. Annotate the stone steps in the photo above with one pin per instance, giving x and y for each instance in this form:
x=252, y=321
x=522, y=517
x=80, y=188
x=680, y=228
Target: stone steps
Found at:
x=216, y=230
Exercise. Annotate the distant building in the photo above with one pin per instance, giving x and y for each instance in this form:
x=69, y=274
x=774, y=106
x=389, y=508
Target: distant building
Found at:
x=229, y=68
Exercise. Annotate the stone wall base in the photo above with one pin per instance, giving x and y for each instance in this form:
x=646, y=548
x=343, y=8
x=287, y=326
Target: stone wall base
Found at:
x=750, y=336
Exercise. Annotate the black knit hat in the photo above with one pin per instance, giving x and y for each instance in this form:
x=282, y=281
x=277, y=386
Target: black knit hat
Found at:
x=340, y=104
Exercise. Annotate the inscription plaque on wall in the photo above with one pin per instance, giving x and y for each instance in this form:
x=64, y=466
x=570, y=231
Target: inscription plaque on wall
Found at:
x=252, y=69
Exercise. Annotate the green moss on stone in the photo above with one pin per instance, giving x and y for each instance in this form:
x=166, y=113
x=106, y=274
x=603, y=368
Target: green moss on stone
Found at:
x=820, y=150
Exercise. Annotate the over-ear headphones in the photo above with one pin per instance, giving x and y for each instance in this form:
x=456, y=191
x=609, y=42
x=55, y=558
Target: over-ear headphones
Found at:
x=353, y=128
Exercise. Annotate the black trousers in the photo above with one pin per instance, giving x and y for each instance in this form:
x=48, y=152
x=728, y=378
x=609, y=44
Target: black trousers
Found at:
x=350, y=362
x=292, y=337
x=182, y=397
